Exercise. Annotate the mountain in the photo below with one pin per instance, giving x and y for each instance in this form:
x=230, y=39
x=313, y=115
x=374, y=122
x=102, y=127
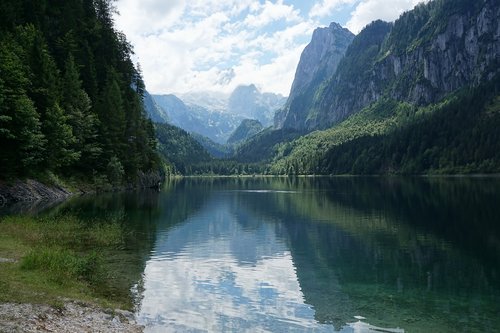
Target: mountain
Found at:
x=174, y=150
x=214, y=115
x=246, y=130
x=210, y=100
x=215, y=125
x=249, y=102
x=179, y=148
x=318, y=62
x=427, y=54
x=217, y=150
x=417, y=96
x=153, y=110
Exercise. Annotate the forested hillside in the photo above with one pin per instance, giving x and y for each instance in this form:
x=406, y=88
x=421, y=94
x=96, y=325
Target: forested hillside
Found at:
x=428, y=53
x=179, y=148
x=458, y=135
x=71, y=99
x=417, y=96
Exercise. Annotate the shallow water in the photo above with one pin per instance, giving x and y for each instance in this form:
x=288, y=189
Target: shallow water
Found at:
x=312, y=254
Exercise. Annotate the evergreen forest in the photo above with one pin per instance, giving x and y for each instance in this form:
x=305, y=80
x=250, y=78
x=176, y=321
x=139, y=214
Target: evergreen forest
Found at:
x=71, y=98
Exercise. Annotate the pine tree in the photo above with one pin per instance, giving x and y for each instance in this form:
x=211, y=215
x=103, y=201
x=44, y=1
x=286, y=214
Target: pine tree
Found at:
x=112, y=118
x=83, y=121
x=21, y=139
x=60, y=139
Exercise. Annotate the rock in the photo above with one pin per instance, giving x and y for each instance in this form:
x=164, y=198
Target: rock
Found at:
x=424, y=56
x=75, y=318
x=318, y=62
x=30, y=190
x=7, y=260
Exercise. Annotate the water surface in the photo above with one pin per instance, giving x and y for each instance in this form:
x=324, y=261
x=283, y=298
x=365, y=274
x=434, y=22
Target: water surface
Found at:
x=312, y=254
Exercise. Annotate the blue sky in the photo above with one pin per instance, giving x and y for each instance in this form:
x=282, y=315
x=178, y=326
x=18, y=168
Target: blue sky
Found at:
x=215, y=45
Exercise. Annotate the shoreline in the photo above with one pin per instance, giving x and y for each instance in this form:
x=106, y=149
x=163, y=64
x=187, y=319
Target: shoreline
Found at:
x=31, y=190
x=53, y=279
x=69, y=316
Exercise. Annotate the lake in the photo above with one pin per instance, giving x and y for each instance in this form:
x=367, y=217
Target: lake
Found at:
x=344, y=254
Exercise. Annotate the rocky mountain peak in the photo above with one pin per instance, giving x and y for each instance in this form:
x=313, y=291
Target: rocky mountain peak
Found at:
x=428, y=53
x=318, y=61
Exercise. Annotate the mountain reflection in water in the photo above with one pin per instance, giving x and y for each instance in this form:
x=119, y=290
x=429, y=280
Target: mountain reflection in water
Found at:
x=314, y=254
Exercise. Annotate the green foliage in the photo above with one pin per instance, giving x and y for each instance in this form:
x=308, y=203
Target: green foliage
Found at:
x=227, y=168
x=71, y=95
x=458, y=135
x=80, y=117
x=263, y=146
x=246, y=130
x=59, y=256
x=60, y=139
x=115, y=171
x=215, y=149
x=20, y=130
x=179, y=148
x=63, y=265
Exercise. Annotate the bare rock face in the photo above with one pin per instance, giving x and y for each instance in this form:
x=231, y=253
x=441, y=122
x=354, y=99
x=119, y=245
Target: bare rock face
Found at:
x=327, y=47
x=30, y=190
x=428, y=53
x=318, y=62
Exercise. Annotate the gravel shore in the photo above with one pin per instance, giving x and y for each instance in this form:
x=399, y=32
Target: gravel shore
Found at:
x=70, y=317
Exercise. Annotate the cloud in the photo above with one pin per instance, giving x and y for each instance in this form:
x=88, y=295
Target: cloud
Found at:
x=194, y=45
x=326, y=7
x=214, y=44
x=270, y=12
x=371, y=10
x=231, y=278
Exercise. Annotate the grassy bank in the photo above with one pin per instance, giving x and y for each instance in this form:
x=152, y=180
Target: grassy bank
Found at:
x=49, y=258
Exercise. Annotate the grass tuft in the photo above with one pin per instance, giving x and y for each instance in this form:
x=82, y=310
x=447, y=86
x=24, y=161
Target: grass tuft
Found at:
x=59, y=256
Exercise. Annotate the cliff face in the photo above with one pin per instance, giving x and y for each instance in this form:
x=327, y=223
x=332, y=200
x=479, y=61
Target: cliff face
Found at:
x=318, y=62
x=426, y=54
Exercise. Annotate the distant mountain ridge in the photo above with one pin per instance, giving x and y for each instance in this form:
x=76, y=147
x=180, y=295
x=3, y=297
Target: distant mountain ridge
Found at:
x=214, y=115
x=249, y=102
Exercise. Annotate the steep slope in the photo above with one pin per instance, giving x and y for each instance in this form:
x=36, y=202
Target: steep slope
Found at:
x=264, y=146
x=318, y=62
x=217, y=150
x=417, y=96
x=246, y=130
x=215, y=125
x=179, y=148
x=153, y=110
x=458, y=135
x=71, y=98
x=428, y=53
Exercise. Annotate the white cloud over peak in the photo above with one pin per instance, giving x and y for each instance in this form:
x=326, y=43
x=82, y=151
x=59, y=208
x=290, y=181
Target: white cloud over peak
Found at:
x=371, y=10
x=270, y=12
x=200, y=45
x=326, y=7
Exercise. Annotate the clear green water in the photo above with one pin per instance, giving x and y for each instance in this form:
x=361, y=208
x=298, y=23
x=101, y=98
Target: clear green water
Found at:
x=309, y=254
